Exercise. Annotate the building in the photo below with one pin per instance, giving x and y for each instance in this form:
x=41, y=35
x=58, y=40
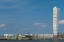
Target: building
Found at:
x=55, y=20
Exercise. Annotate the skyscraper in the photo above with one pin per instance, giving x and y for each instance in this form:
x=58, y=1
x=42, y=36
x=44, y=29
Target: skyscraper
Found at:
x=55, y=20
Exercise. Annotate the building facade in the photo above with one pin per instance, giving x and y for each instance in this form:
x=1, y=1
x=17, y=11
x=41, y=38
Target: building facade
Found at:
x=55, y=20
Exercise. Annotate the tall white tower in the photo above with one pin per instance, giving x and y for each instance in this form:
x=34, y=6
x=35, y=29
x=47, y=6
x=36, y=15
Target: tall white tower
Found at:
x=55, y=20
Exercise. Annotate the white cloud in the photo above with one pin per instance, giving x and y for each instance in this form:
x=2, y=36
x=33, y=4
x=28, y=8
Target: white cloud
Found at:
x=61, y=22
x=44, y=26
x=12, y=6
x=2, y=25
x=40, y=25
x=37, y=24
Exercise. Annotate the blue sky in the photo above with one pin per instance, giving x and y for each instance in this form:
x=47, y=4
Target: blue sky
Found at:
x=29, y=16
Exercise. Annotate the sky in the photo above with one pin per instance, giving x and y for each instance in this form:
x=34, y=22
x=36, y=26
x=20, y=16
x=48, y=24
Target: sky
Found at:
x=29, y=16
